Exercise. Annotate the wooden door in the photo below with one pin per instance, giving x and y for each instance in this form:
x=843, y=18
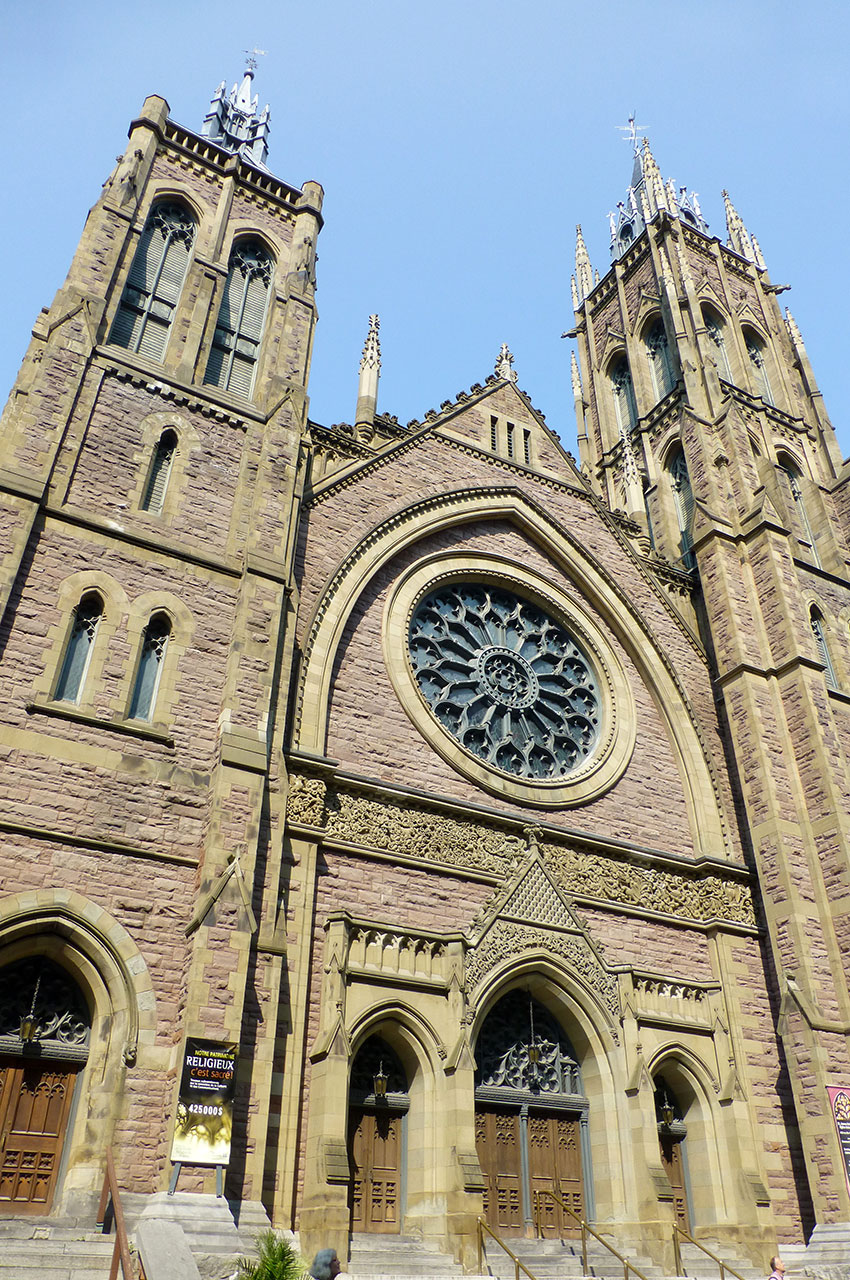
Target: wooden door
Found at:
x=497, y=1142
x=374, y=1146
x=35, y=1100
x=554, y=1164
x=672, y=1158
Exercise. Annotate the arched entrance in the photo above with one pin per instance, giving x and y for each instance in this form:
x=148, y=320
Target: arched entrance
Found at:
x=530, y=1118
x=671, y=1140
x=44, y=1041
x=378, y=1103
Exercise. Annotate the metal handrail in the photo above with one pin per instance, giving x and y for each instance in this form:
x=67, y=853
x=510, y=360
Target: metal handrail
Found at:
x=110, y=1193
x=482, y=1227
x=677, y=1254
x=585, y=1231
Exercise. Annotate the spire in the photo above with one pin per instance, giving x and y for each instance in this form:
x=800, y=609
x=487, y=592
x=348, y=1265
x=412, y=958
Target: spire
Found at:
x=584, y=271
x=647, y=196
x=739, y=237
x=505, y=364
x=367, y=388
x=232, y=120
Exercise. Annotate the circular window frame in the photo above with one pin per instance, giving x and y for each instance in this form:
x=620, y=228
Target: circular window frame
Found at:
x=613, y=750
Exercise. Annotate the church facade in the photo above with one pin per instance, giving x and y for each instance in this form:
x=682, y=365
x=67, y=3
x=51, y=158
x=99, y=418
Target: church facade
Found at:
x=486, y=808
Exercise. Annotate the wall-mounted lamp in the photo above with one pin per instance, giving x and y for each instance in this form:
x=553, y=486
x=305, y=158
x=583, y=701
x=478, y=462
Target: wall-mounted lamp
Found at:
x=379, y=1081
x=30, y=1029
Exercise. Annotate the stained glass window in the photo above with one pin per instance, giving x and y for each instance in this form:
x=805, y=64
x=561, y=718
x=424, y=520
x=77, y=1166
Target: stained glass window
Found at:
x=506, y=680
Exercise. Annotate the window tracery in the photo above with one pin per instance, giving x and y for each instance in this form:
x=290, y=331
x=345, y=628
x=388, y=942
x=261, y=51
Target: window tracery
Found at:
x=505, y=679
x=152, y=291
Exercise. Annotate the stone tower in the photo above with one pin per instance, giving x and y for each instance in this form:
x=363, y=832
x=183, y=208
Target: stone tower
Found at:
x=699, y=416
x=151, y=469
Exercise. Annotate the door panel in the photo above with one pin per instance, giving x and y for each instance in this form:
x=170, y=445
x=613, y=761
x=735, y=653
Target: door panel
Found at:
x=672, y=1158
x=554, y=1164
x=35, y=1099
x=497, y=1142
x=375, y=1154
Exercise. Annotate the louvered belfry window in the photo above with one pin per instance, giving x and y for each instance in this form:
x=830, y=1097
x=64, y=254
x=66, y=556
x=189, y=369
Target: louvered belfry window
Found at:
x=683, y=498
x=819, y=633
x=660, y=362
x=154, y=642
x=155, y=280
x=624, y=396
x=241, y=318
x=87, y=616
x=161, y=463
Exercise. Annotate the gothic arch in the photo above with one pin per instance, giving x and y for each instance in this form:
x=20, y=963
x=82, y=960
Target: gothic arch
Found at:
x=712, y=1140
x=589, y=1027
x=101, y=958
x=415, y=523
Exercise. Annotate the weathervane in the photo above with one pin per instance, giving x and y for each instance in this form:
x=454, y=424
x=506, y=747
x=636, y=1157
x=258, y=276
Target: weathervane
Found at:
x=631, y=131
x=251, y=56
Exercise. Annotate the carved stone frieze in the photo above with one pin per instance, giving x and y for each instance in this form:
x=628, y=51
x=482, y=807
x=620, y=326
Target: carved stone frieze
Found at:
x=507, y=941
x=412, y=832
x=697, y=898
x=374, y=820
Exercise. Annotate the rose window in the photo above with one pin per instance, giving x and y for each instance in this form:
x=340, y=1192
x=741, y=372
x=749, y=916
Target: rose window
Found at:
x=505, y=679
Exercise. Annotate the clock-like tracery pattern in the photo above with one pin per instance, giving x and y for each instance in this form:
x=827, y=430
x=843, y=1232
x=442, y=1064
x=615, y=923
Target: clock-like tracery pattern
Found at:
x=506, y=680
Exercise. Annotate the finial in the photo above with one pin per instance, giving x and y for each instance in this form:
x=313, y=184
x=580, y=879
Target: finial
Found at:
x=505, y=364
x=371, y=358
x=739, y=238
x=793, y=329
x=367, y=387
x=584, y=271
x=575, y=375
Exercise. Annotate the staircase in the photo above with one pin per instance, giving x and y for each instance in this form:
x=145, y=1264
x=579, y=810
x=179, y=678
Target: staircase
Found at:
x=33, y=1250
x=391, y=1257
x=557, y=1260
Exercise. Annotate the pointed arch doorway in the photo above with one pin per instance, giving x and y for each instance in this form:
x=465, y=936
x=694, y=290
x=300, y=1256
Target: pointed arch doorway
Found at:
x=378, y=1105
x=530, y=1119
x=671, y=1142
x=44, y=1039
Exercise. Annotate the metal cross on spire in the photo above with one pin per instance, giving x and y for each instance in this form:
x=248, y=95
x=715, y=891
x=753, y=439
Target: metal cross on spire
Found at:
x=631, y=132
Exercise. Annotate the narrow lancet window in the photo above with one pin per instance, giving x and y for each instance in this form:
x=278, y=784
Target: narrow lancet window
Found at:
x=160, y=472
x=660, y=361
x=819, y=633
x=233, y=359
x=151, y=659
x=758, y=361
x=153, y=286
x=683, y=499
x=624, y=396
x=789, y=477
x=714, y=329
x=75, y=663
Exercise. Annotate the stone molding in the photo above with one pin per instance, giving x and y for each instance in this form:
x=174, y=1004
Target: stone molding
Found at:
x=372, y=821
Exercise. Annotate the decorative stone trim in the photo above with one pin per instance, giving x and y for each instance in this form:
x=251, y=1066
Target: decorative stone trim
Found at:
x=407, y=828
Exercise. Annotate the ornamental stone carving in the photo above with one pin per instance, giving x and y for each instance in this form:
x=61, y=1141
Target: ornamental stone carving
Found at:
x=375, y=820
x=508, y=941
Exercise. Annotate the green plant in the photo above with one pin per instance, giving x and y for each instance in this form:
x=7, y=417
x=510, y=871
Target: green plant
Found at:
x=276, y=1260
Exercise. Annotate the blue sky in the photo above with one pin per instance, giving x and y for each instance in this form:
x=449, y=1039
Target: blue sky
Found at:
x=458, y=145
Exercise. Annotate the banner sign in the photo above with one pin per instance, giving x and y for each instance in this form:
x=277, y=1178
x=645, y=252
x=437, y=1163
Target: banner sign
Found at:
x=839, y=1101
x=205, y=1105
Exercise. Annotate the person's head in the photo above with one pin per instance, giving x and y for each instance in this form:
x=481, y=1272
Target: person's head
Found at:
x=325, y=1265
x=777, y=1265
